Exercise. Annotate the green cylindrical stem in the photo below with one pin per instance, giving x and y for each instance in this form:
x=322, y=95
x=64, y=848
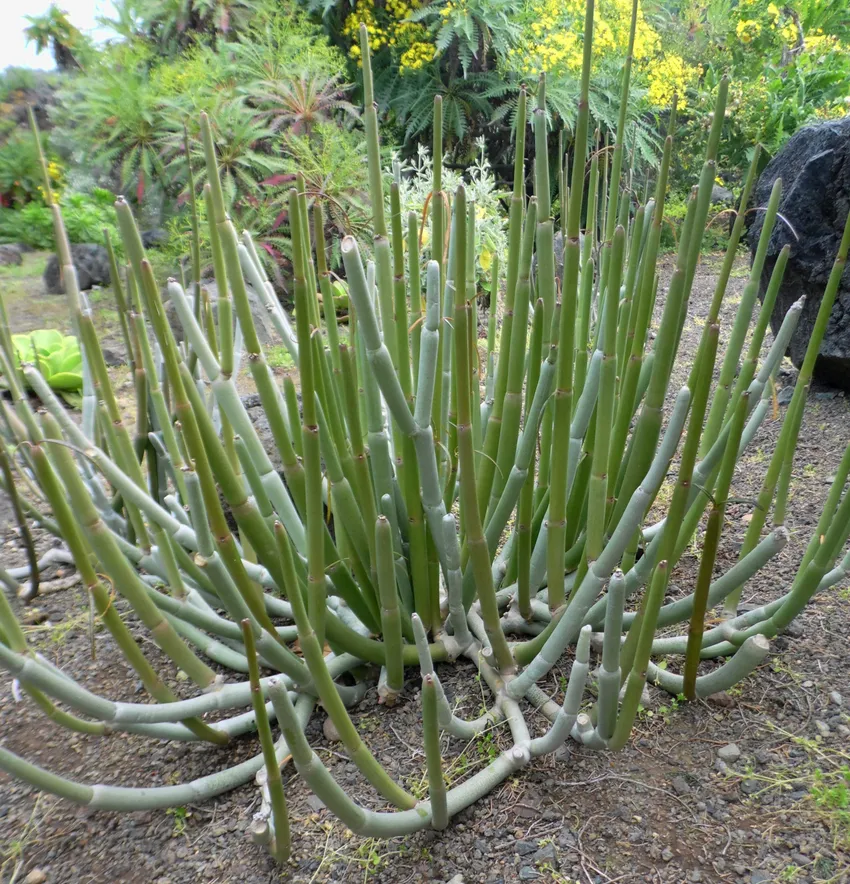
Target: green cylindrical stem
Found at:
x=515, y=227
x=598, y=489
x=280, y=844
x=709, y=550
x=390, y=617
x=526, y=500
x=433, y=758
x=514, y=364
x=414, y=292
x=476, y=543
x=790, y=427
x=314, y=657
x=731, y=360
x=309, y=434
x=563, y=397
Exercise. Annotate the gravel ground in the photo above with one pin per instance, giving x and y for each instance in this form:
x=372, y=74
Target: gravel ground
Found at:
x=752, y=787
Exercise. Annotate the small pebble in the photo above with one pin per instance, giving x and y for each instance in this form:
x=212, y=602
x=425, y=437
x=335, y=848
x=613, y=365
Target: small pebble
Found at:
x=546, y=854
x=721, y=698
x=680, y=785
x=315, y=803
x=823, y=728
x=729, y=753
x=36, y=876
x=32, y=617
x=794, y=630
x=330, y=731
x=667, y=854
x=749, y=787
x=835, y=698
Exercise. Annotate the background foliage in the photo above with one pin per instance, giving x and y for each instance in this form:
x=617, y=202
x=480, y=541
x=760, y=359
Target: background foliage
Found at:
x=282, y=80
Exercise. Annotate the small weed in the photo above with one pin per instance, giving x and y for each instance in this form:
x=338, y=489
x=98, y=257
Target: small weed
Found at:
x=553, y=875
x=98, y=296
x=180, y=817
x=278, y=357
x=825, y=778
x=758, y=456
x=780, y=667
x=668, y=709
x=487, y=747
x=369, y=723
x=368, y=855
x=831, y=792
x=12, y=851
x=58, y=633
x=17, y=271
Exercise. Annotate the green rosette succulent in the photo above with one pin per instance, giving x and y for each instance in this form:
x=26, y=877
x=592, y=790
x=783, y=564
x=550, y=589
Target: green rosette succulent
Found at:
x=57, y=357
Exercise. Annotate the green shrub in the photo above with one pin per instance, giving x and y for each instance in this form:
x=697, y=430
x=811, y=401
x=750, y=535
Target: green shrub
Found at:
x=716, y=236
x=86, y=217
x=332, y=161
x=20, y=172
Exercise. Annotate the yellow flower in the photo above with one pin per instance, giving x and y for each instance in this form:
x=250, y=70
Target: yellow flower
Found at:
x=485, y=259
x=670, y=75
x=417, y=55
x=789, y=33
x=747, y=30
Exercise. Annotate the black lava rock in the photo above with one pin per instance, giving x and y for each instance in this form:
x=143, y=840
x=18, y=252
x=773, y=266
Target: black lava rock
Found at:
x=815, y=170
x=92, y=265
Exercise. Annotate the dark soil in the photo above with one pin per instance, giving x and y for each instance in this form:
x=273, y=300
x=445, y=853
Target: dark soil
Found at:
x=666, y=809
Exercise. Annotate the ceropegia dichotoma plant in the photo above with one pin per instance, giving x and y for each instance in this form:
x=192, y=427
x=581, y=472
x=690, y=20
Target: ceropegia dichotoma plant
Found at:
x=433, y=504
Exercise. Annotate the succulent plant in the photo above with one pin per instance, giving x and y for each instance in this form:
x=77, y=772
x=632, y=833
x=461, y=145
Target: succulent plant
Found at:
x=56, y=356
x=435, y=502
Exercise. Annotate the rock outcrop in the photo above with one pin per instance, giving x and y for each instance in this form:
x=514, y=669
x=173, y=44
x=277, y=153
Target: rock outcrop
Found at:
x=815, y=170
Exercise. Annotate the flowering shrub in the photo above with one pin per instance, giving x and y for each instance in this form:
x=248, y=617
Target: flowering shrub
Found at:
x=788, y=65
x=388, y=26
x=555, y=44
